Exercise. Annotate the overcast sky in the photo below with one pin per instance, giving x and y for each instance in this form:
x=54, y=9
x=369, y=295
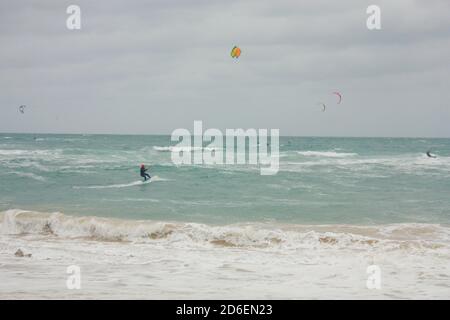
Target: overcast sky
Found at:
x=152, y=67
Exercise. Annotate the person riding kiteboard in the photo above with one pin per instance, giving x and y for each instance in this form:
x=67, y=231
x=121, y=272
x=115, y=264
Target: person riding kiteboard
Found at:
x=144, y=173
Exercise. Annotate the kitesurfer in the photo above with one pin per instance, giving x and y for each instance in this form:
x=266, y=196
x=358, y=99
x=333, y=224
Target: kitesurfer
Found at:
x=430, y=155
x=144, y=174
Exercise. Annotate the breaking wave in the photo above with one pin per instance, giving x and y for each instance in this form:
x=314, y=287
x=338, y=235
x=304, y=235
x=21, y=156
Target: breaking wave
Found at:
x=257, y=235
x=30, y=176
x=179, y=149
x=330, y=154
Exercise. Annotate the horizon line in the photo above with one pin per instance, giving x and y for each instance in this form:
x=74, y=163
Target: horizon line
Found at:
x=167, y=134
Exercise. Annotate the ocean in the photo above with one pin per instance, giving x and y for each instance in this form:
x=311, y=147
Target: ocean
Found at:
x=336, y=207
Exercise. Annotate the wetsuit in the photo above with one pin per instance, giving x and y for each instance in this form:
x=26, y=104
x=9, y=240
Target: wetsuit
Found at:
x=144, y=174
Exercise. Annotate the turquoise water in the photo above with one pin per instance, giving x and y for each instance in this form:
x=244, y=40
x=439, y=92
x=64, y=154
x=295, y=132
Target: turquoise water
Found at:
x=320, y=181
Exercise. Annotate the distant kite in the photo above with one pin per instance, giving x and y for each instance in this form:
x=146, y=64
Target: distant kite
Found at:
x=339, y=95
x=22, y=108
x=235, y=52
x=324, y=107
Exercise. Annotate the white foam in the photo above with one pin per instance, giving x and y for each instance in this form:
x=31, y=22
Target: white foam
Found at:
x=148, y=259
x=330, y=154
x=157, y=178
x=124, y=185
x=184, y=149
x=30, y=153
x=407, y=163
x=238, y=235
x=30, y=176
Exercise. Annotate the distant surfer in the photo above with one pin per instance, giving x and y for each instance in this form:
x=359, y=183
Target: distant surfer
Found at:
x=144, y=173
x=430, y=155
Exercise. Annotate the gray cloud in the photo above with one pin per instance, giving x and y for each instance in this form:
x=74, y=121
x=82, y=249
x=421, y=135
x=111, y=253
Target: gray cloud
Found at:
x=151, y=67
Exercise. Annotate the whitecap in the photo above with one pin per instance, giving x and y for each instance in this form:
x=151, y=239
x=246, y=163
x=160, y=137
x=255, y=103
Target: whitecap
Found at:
x=330, y=154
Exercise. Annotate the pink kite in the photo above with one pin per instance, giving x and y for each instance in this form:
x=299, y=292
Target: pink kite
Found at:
x=339, y=95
